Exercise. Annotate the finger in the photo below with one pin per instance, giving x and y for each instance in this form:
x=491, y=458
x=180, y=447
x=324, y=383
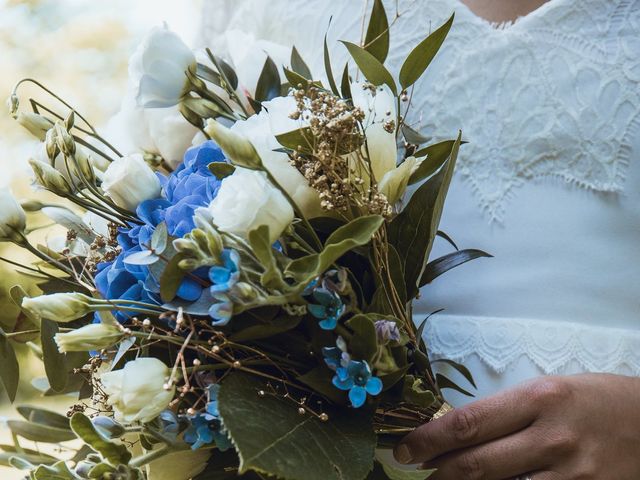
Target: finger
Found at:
x=500, y=459
x=476, y=423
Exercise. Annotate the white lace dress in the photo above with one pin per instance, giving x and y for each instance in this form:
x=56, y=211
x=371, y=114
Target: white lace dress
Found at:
x=549, y=183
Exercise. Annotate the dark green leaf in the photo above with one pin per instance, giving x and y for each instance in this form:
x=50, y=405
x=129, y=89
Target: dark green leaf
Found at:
x=328, y=70
x=444, y=382
x=319, y=379
x=442, y=234
x=272, y=277
x=364, y=343
x=443, y=264
x=390, y=379
x=377, y=38
x=268, y=329
x=413, y=231
x=436, y=155
x=171, y=278
x=345, y=84
x=221, y=169
x=44, y=417
x=295, y=79
x=413, y=392
x=421, y=56
x=40, y=433
x=289, y=445
x=208, y=74
x=55, y=364
x=115, y=454
x=413, y=136
x=225, y=70
x=373, y=70
x=464, y=371
x=9, y=367
x=300, y=140
x=269, y=82
x=299, y=66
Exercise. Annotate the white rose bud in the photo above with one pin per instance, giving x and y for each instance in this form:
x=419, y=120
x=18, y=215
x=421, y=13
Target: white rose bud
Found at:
x=12, y=217
x=159, y=66
x=129, y=181
x=247, y=200
x=59, y=307
x=137, y=392
x=94, y=336
x=379, y=125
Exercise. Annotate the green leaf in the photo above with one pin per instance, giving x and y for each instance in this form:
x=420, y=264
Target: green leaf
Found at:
x=221, y=169
x=364, y=343
x=447, y=262
x=268, y=83
x=414, y=393
x=145, y=257
x=421, y=56
x=159, y=238
x=444, y=382
x=345, y=83
x=9, y=367
x=299, y=66
x=377, y=38
x=40, y=433
x=55, y=364
x=356, y=233
x=44, y=417
x=413, y=231
x=436, y=155
x=328, y=70
x=115, y=454
x=300, y=140
x=413, y=136
x=295, y=78
x=33, y=457
x=373, y=70
x=319, y=379
x=291, y=446
x=178, y=465
x=464, y=371
x=57, y=471
x=268, y=329
x=224, y=69
x=272, y=277
x=171, y=278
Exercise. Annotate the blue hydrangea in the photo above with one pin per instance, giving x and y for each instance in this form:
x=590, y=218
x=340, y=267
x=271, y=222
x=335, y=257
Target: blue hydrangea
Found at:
x=189, y=187
x=206, y=428
x=357, y=378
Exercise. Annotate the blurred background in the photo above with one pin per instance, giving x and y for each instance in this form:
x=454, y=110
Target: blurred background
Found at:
x=79, y=49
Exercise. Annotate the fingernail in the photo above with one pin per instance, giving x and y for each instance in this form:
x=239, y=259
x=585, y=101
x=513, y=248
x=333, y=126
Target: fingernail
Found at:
x=402, y=454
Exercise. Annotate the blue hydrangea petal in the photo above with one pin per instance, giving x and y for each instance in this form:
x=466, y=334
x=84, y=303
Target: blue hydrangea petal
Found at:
x=189, y=290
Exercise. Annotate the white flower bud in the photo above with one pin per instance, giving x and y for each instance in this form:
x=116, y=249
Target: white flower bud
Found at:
x=59, y=307
x=50, y=178
x=129, y=181
x=247, y=200
x=94, y=336
x=12, y=217
x=137, y=392
x=236, y=147
x=36, y=124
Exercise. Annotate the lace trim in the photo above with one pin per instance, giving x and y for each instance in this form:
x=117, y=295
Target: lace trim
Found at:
x=552, y=346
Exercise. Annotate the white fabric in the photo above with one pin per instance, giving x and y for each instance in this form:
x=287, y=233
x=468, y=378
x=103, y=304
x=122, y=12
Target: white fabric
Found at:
x=549, y=183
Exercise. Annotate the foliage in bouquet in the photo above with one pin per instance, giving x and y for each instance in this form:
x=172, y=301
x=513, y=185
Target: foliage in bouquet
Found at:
x=247, y=310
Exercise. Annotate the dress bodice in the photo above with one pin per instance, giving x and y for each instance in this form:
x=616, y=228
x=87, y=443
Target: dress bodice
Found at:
x=549, y=182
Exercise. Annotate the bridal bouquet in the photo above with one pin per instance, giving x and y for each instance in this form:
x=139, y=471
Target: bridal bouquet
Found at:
x=244, y=306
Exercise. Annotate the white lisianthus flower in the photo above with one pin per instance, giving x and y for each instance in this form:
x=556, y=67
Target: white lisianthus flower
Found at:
x=129, y=181
x=158, y=67
x=137, y=392
x=59, y=307
x=13, y=220
x=246, y=200
x=378, y=105
x=94, y=336
x=261, y=130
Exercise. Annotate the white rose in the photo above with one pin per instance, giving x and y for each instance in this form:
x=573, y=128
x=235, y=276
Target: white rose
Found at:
x=59, y=307
x=129, y=181
x=247, y=200
x=12, y=217
x=160, y=131
x=137, y=392
x=261, y=130
x=158, y=67
x=379, y=111
x=94, y=336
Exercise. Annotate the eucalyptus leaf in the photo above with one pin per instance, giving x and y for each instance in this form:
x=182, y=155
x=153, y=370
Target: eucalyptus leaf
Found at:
x=159, y=238
x=55, y=364
x=373, y=70
x=377, y=39
x=298, y=65
x=9, y=367
x=145, y=257
x=268, y=83
x=221, y=170
x=437, y=267
x=40, y=433
x=422, y=55
x=288, y=445
x=114, y=453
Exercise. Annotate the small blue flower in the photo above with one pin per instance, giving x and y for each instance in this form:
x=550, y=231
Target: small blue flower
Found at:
x=328, y=309
x=358, y=380
x=225, y=276
x=222, y=311
x=206, y=428
x=336, y=357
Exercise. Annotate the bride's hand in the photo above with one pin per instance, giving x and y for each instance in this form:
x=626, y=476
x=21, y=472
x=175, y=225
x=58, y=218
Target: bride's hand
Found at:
x=554, y=428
